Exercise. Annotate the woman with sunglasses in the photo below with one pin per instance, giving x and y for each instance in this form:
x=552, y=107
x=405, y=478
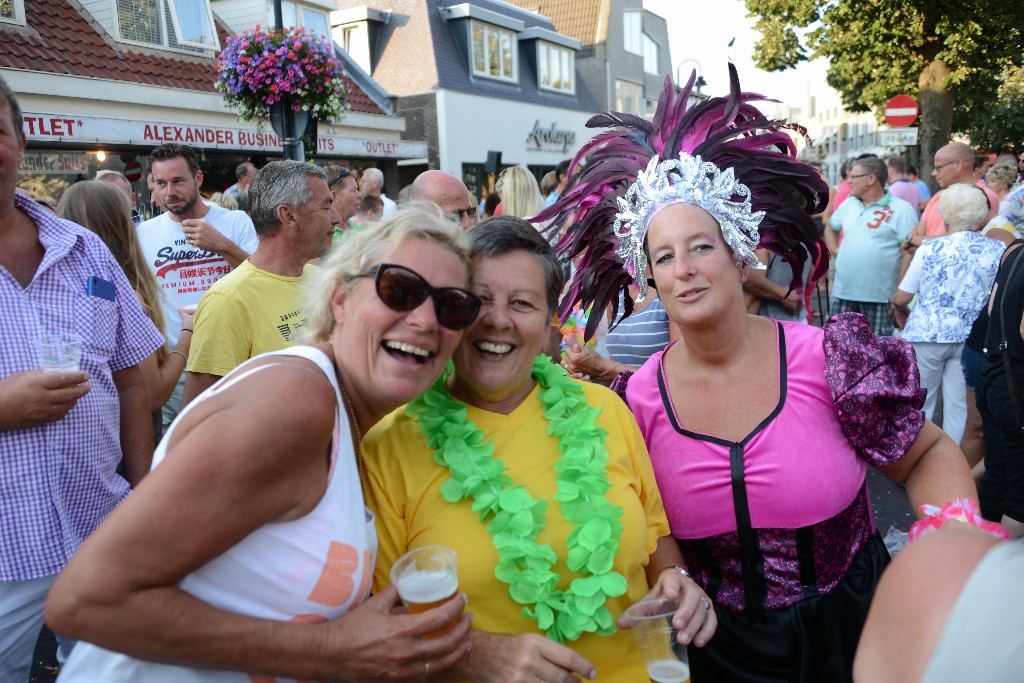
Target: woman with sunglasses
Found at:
x=247, y=553
x=539, y=482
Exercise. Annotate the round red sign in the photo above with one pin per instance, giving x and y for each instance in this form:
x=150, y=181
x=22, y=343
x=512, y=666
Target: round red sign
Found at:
x=901, y=111
x=133, y=171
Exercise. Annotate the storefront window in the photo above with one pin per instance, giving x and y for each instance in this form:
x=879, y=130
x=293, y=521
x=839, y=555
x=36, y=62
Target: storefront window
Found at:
x=476, y=180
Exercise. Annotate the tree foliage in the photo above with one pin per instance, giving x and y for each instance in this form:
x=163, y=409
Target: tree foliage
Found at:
x=996, y=124
x=951, y=56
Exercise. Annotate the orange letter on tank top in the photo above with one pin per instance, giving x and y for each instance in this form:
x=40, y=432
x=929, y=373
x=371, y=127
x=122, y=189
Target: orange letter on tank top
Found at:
x=336, y=586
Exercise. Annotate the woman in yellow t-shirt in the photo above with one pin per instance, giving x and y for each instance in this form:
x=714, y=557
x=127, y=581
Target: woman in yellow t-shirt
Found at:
x=541, y=484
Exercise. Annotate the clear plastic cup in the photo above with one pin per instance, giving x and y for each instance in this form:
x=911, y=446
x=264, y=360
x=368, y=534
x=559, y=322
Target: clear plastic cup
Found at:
x=426, y=578
x=59, y=352
x=651, y=624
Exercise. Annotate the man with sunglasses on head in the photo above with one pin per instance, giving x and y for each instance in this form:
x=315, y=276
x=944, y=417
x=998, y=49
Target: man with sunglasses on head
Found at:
x=446, y=191
x=259, y=306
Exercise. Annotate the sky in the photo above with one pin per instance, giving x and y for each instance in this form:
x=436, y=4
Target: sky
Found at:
x=697, y=33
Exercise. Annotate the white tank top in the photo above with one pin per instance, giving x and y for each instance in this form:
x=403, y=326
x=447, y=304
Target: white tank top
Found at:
x=312, y=569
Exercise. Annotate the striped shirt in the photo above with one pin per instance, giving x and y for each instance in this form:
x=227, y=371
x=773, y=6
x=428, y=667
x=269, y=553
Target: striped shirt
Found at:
x=57, y=479
x=639, y=336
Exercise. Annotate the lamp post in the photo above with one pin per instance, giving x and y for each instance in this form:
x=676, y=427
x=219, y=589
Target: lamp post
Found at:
x=700, y=83
x=288, y=124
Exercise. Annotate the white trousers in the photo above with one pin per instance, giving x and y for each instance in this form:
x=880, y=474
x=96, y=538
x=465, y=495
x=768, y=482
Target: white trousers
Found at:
x=939, y=365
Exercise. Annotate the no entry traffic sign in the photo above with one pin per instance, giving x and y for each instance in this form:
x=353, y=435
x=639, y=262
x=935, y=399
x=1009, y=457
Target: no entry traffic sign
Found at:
x=901, y=111
x=133, y=171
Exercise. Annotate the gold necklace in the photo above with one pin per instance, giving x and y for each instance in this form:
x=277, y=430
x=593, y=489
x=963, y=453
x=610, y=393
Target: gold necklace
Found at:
x=355, y=427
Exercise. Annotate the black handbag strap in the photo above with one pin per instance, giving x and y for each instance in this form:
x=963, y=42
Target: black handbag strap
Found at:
x=1004, y=344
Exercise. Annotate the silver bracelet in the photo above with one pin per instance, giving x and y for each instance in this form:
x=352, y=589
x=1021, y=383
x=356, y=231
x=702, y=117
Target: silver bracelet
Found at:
x=678, y=569
x=180, y=354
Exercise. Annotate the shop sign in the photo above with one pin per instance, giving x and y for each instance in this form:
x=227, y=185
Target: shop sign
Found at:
x=41, y=163
x=92, y=130
x=551, y=138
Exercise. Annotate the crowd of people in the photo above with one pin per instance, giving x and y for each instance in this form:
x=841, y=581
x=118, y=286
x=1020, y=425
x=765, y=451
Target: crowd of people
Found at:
x=289, y=384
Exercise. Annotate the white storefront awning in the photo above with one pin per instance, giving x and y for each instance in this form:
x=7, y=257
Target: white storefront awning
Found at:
x=67, y=128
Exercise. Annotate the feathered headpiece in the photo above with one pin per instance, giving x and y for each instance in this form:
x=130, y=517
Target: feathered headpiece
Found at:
x=723, y=155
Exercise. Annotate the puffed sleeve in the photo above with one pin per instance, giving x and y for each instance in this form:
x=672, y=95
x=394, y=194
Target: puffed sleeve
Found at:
x=876, y=386
x=620, y=383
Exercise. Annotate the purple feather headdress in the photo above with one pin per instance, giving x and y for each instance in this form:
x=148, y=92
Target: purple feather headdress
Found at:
x=727, y=132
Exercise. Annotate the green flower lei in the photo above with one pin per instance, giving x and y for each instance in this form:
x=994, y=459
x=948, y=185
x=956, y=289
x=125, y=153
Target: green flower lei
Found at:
x=516, y=517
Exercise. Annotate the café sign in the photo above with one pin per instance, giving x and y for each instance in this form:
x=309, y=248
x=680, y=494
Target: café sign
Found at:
x=550, y=138
x=49, y=163
x=93, y=130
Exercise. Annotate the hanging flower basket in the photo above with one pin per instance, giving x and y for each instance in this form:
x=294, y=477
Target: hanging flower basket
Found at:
x=257, y=69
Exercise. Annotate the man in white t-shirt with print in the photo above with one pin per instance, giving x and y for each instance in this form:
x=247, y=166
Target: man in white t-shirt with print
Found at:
x=190, y=246
x=874, y=224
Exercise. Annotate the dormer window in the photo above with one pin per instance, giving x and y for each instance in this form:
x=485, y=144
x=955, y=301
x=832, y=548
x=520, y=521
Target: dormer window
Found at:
x=313, y=20
x=176, y=24
x=12, y=12
x=494, y=51
x=556, y=67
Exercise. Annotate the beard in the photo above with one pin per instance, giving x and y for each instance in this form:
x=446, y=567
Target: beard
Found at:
x=186, y=207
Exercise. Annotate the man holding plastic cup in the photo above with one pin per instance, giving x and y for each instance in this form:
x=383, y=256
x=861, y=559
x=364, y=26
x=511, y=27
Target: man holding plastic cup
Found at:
x=62, y=433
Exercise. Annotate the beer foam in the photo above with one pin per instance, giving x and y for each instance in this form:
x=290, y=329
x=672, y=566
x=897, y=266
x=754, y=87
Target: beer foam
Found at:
x=426, y=586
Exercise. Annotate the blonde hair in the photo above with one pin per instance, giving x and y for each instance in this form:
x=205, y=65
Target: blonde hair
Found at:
x=104, y=209
x=224, y=201
x=963, y=207
x=520, y=193
x=417, y=220
x=1002, y=173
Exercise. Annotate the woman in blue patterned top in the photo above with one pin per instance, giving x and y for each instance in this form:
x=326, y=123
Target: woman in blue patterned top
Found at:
x=952, y=276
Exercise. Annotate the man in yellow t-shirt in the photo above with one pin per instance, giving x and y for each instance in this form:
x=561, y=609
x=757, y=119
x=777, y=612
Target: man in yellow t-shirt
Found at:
x=258, y=307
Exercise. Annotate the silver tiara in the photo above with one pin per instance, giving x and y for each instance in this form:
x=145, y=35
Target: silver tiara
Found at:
x=686, y=180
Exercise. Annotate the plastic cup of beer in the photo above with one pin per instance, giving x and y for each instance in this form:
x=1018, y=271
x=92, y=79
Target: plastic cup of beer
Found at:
x=651, y=624
x=59, y=352
x=426, y=578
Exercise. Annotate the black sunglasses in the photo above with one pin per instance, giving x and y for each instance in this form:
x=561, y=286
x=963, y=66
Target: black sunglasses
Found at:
x=403, y=289
x=343, y=173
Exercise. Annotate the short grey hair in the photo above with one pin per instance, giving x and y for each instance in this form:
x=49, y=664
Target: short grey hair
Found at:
x=503, y=234
x=277, y=183
x=963, y=207
x=363, y=250
x=12, y=103
x=242, y=169
x=376, y=176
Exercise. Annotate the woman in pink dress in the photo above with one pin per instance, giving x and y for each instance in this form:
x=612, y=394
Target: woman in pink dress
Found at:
x=760, y=431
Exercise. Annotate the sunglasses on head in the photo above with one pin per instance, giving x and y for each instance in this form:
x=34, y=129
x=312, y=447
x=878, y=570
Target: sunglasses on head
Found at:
x=403, y=289
x=343, y=173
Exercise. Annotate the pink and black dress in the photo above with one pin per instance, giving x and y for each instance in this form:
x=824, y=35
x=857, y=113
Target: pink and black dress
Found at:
x=777, y=528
